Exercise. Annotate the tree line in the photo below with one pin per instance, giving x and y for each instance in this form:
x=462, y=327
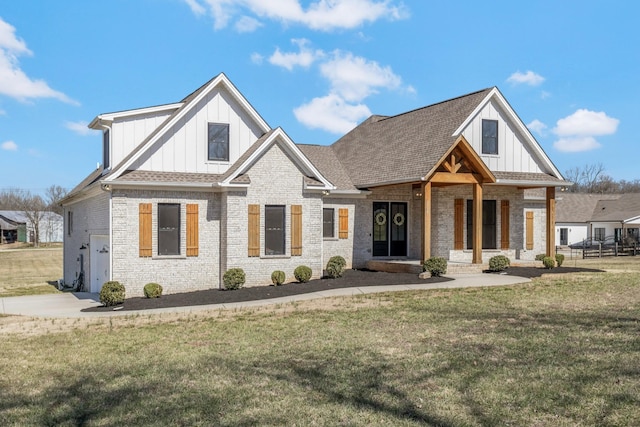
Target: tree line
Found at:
x=593, y=179
x=34, y=206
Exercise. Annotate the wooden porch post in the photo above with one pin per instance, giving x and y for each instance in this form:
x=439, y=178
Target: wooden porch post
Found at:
x=426, y=220
x=477, y=224
x=551, y=221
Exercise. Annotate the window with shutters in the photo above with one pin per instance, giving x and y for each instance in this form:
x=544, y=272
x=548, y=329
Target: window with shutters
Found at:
x=254, y=231
x=504, y=224
x=458, y=224
x=168, y=229
x=529, y=230
x=328, y=223
x=144, y=224
x=274, y=230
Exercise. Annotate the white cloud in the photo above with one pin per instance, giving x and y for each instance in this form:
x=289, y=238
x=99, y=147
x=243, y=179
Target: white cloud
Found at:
x=529, y=78
x=331, y=113
x=576, y=144
x=13, y=81
x=584, y=122
x=81, y=128
x=247, y=24
x=323, y=15
x=577, y=132
x=9, y=146
x=354, y=78
x=303, y=58
x=256, y=58
x=538, y=127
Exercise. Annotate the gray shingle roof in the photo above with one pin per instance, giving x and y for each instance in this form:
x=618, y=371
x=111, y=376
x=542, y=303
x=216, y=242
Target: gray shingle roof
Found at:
x=625, y=207
x=528, y=176
x=405, y=147
x=579, y=207
x=326, y=161
x=182, y=177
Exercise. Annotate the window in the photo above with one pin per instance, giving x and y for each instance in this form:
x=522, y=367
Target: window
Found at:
x=328, y=220
x=69, y=223
x=168, y=229
x=106, y=155
x=489, y=137
x=564, y=236
x=488, y=224
x=598, y=234
x=218, y=142
x=274, y=234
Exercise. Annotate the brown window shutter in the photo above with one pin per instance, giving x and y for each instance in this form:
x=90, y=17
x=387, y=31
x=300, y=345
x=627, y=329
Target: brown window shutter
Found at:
x=192, y=230
x=458, y=224
x=296, y=230
x=254, y=230
x=529, y=230
x=145, y=246
x=504, y=221
x=343, y=226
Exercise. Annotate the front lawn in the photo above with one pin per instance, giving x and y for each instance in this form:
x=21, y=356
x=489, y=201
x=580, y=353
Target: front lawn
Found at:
x=563, y=350
x=30, y=271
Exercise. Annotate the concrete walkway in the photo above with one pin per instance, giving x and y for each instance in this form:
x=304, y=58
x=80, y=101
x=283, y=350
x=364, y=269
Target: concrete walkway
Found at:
x=70, y=304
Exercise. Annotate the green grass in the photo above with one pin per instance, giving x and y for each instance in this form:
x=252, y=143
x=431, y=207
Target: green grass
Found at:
x=562, y=351
x=30, y=271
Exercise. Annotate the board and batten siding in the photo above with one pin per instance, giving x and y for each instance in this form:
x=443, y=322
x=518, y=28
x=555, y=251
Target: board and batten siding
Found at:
x=513, y=154
x=184, y=147
x=128, y=132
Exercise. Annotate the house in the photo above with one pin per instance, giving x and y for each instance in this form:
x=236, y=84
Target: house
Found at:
x=15, y=226
x=599, y=217
x=190, y=189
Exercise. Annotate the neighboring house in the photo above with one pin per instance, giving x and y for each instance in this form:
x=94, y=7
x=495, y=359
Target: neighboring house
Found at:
x=15, y=226
x=600, y=217
x=191, y=189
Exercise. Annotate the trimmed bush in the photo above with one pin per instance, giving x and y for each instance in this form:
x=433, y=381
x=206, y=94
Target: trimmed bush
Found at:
x=548, y=262
x=302, y=273
x=335, y=266
x=233, y=278
x=499, y=263
x=539, y=257
x=278, y=277
x=152, y=290
x=559, y=259
x=112, y=293
x=437, y=266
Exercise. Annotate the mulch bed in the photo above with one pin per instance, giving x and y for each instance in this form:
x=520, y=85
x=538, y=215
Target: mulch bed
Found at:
x=351, y=279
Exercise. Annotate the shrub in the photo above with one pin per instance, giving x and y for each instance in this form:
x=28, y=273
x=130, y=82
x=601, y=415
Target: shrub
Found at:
x=233, y=278
x=152, y=290
x=112, y=293
x=437, y=266
x=278, y=277
x=335, y=266
x=539, y=257
x=548, y=262
x=302, y=273
x=499, y=263
x=559, y=259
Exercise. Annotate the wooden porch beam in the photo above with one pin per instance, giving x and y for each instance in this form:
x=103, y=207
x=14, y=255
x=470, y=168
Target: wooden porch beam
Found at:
x=551, y=222
x=477, y=224
x=426, y=220
x=454, y=178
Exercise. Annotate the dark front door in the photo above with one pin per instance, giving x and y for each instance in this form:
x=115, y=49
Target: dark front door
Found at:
x=488, y=224
x=389, y=229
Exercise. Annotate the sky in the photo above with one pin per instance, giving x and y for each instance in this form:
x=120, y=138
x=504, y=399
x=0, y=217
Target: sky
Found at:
x=317, y=68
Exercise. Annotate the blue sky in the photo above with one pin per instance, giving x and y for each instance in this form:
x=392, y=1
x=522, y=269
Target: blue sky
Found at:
x=570, y=69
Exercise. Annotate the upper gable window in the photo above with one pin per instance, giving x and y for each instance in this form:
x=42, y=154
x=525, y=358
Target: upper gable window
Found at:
x=489, y=137
x=218, y=142
x=106, y=155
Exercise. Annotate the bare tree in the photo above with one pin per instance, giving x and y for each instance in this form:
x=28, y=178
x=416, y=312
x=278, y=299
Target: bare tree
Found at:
x=53, y=195
x=34, y=209
x=10, y=199
x=590, y=179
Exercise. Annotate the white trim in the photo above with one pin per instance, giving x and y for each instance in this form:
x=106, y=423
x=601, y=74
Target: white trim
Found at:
x=102, y=119
x=221, y=79
x=495, y=94
x=525, y=183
